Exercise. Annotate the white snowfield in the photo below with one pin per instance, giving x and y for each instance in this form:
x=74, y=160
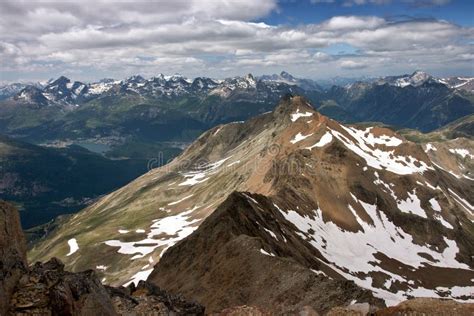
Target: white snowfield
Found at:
x=73, y=246
x=99, y=88
x=164, y=232
x=202, y=174
x=462, y=152
x=435, y=205
x=430, y=147
x=353, y=254
x=266, y=253
x=412, y=205
x=299, y=114
x=363, y=145
x=323, y=141
x=139, y=276
x=299, y=137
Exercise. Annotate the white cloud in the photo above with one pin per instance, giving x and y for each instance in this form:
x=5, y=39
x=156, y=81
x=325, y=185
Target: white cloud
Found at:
x=117, y=38
x=353, y=22
x=351, y=64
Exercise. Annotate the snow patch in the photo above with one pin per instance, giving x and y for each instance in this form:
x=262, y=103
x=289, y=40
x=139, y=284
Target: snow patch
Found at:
x=430, y=147
x=443, y=221
x=299, y=114
x=73, y=246
x=139, y=276
x=380, y=159
x=323, y=141
x=462, y=152
x=266, y=253
x=299, y=137
x=355, y=251
x=412, y=205
x=435, y=205
x=169, y=230
x=199, y=176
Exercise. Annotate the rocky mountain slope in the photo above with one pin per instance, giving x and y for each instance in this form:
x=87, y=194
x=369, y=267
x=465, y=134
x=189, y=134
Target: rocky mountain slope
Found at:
x=46, y=289
x=246, y=253
x=316, y=197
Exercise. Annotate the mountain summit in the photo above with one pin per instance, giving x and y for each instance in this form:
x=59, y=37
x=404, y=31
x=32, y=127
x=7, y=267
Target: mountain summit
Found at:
x=297, y=190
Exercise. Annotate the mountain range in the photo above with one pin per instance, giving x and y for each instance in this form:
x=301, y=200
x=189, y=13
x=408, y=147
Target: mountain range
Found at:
x=316, y=212
x=152, y=120
x=63, y=109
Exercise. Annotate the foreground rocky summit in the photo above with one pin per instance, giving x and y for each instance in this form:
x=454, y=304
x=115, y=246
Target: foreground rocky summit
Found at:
x=234, y=259
x=46, y=289
x=289, y=200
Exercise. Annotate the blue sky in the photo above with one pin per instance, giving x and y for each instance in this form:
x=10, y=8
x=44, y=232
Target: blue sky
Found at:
x=297, y=12
x=318, y=39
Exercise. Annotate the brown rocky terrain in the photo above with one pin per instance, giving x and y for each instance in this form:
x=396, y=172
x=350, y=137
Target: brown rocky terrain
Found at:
x=335, y=204
x=233, y=259
x=429, y=306
x=46, y=289
x=12, y=253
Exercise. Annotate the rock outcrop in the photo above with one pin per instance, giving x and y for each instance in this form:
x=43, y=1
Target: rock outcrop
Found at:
x=12, y=253
x=47, y=289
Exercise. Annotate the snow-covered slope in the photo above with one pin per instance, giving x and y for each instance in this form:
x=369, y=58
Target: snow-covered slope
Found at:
x=284, y=77
x=372, y=207
x=419, y=78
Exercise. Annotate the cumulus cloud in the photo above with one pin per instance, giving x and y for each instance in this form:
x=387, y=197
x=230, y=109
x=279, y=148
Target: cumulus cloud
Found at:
x=117, y=38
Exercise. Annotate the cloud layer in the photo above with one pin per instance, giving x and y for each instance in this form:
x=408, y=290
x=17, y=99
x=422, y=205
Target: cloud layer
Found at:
x=117, y=38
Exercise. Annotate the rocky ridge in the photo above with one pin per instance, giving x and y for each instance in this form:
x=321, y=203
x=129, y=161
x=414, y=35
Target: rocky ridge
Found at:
x=358, y=204
x=47, y=289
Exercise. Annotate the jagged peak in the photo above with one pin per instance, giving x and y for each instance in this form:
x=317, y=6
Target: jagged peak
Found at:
x=60, y=80
x=135, y=78
x=249, y=76
x=420, y=73
x=286, y=75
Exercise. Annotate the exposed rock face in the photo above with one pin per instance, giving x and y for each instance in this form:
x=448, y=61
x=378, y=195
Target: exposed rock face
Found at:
x=355, y=203
x=232, y=260
x=12, y=253
x=147, y=298
x=46, y=289
x=49, y=290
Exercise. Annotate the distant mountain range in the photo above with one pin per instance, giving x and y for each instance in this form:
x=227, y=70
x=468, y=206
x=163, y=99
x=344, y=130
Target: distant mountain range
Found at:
x=64, y=91
x=154, y=119
x=315, y=212
x=65, y=109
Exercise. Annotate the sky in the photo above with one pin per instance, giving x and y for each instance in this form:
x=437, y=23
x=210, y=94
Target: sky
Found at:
x=318, y=39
